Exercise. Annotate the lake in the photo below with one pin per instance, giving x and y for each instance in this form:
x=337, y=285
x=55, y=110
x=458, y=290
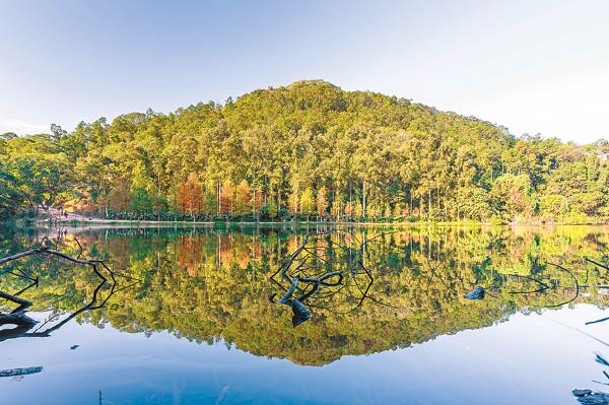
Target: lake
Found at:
x=306, y=315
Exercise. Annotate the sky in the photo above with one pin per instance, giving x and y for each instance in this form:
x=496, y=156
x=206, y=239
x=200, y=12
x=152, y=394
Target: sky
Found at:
x=531, y=66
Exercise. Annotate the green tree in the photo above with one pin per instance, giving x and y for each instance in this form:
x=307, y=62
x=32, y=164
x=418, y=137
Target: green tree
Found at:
x=243, y=197
x=514, y=197
x=293, y=202
x=307, y=202
x=476, y=203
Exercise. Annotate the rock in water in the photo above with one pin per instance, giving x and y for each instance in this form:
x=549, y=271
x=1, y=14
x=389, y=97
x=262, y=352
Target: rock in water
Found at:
x=477, y=293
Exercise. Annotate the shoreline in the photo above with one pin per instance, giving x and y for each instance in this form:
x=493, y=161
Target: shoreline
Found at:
x=72, y=220
x=111, y=223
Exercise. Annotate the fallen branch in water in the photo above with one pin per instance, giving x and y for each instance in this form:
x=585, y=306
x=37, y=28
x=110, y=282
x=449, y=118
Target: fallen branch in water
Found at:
x=24, y=323
x=14, y=372
x=574, y=280
x=301, y=313
x=310, y=268
x=45, y=250
x=23, y=304
x=541, y=289
x=288, y=295
x=597, y=321
x=596, y=263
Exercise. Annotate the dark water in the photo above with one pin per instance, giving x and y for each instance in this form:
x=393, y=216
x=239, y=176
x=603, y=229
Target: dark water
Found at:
x=193, y=316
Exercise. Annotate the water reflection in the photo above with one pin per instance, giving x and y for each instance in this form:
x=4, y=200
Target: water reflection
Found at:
x=44, y=260
x=329, y=262
x=397, y=287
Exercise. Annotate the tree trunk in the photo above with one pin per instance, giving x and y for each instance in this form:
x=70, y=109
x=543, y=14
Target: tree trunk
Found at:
x=364, y=199
x=218, y=191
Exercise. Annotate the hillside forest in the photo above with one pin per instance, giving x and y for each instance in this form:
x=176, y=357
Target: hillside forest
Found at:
x=307, y=151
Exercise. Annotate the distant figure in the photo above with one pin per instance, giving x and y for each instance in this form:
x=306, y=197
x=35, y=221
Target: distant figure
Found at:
x=477, y=293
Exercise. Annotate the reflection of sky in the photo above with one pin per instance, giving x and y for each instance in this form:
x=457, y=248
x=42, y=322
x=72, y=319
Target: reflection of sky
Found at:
x=529, y=359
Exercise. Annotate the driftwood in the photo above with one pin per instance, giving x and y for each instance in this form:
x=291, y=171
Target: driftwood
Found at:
x=14, y=372
x=23, y=304
x=23, y=323
x=309, y=269
x=301, y=313
x=95, y=264
x=543, y=287
x=306, y=271
x=598, y=287
x=597, y=321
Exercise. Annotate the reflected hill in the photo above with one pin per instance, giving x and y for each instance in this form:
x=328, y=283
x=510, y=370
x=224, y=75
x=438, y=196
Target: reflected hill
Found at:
x=207, y=285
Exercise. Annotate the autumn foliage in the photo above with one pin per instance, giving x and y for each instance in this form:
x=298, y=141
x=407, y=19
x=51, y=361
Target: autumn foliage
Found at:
x=190, y=195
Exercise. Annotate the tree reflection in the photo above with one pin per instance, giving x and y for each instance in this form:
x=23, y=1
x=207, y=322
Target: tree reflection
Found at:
x=325, y=265
x=396, y=287
x=15, y=322
x=24, y=326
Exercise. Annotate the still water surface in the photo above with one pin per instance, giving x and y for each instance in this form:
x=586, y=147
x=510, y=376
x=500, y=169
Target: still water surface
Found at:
x=193, y=316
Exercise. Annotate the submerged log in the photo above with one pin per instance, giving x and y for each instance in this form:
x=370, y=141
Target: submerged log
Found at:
x=23, y=304
x=12, y=372
x=301, y=313
x=23, y=323
x=19, y=319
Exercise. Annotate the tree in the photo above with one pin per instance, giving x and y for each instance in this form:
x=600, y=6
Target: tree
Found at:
x=338, y=206
x=257, y=203
x=226, y=198
x=58, y=133
x=272, y=209
x=553, y=206
x=349, y=210
x=358, y=211
x=368, y=149
x=475, y=203
x=322, y=202
x=119, y=197
x=398, y=211
x=293, y=202
x=242, y=205
x=210, y=201
x=374, y=211
x=590, y=203
x=190, y=196
x=514, y=197
x=11, y=199
x=141, y=202
x=307, y=202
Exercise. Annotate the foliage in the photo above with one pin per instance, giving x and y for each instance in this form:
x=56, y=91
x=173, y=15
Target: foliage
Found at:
x=206, y=285
x=306, y=149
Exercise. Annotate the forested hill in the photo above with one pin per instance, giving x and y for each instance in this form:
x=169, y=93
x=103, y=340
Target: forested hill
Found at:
x=306, y=150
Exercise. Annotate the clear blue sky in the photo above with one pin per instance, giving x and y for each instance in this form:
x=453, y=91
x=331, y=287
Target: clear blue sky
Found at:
x=532, y=66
